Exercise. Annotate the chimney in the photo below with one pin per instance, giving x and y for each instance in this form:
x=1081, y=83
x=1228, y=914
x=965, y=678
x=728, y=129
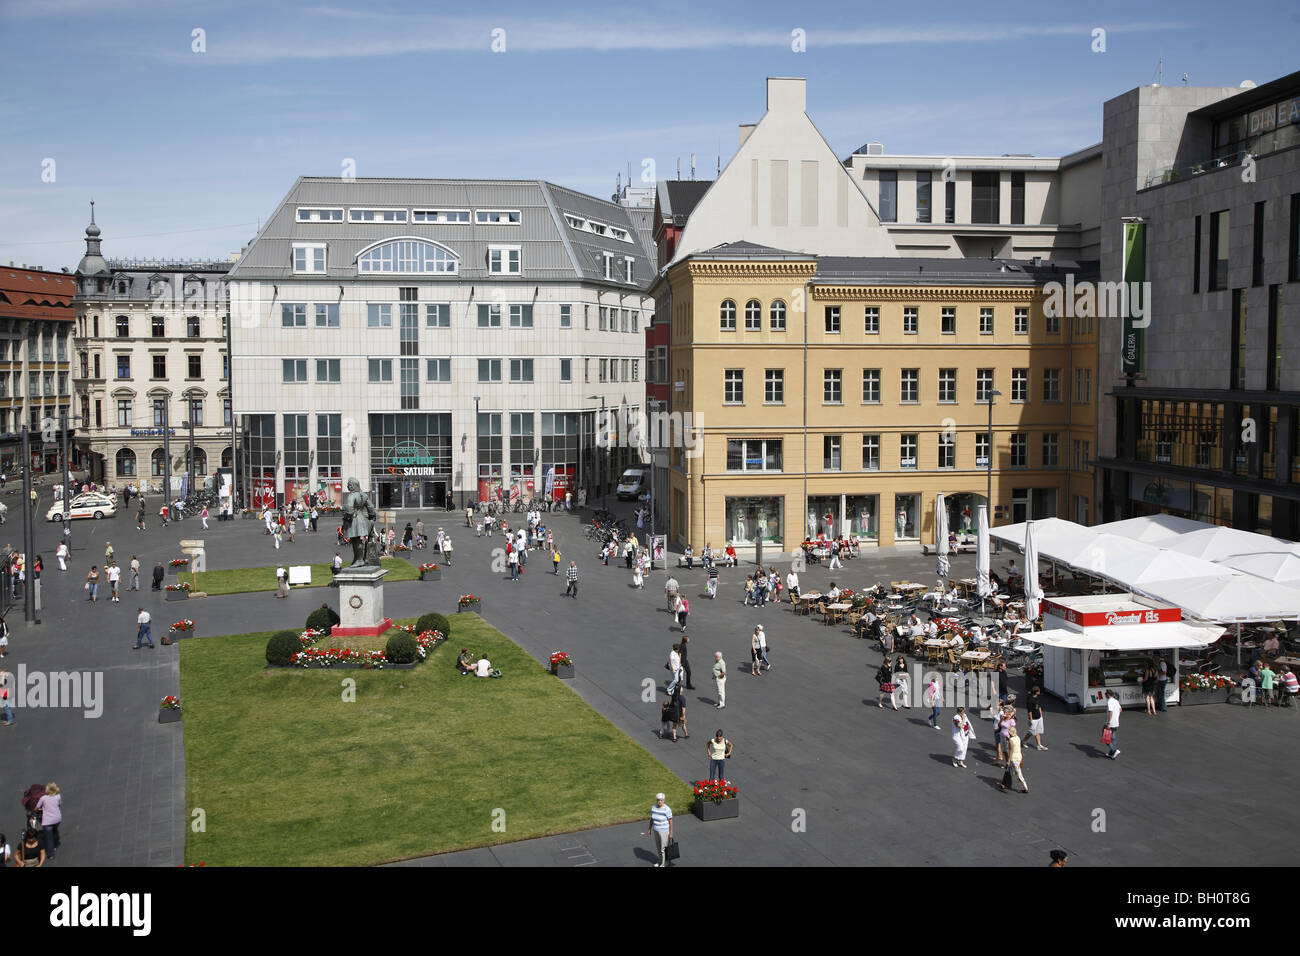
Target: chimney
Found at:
x=692, y=166
x=786, y=94
x=745, y=130
x=875, y=149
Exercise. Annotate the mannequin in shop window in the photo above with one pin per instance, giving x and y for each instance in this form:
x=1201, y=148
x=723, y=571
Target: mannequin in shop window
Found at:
x=740, y=528
x=902, y=523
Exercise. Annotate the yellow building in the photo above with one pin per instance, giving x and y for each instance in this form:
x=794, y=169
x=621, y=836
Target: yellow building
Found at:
x=841, y=394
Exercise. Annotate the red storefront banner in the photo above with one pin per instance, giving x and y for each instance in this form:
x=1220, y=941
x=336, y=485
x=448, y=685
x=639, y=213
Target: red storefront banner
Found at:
x=1151, y=615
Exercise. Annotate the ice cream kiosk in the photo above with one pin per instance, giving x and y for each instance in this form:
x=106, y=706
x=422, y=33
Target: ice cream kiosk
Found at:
x=1099, y=642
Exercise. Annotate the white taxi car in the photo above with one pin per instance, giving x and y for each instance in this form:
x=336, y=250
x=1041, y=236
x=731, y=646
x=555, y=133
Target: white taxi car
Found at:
x=89, y=505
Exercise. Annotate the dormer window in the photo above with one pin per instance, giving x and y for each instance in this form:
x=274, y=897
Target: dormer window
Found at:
x=497, y=217
x=408, y=255
x=306, y=214
x=309, y=257
x=503, y=260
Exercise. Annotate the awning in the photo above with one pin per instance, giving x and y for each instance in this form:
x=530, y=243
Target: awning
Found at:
x=1129, y=637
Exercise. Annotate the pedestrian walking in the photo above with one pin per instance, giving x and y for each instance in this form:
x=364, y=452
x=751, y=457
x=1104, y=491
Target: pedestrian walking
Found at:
x=144, y=629
x=92, y=584
x=962, y=734
x=1162, y=683
x=934, y=700
x=885, y=679
x=512, y=560
x=1149, y=688
x=901, y=689
x=446, y=549
x=108, y=553
x=674, y=667
x=5, y=712
x=720, y=679
x=764, y=663
x=668, y=718
x=713, y=580
x=469, y=516
x=114, y=576
x=315, y=517
x=1111, y=731
x=671, y=588
x=158, y=575
x=1015, y=764
x=555, y=563
x=835, y=557
x=204, y=515
x=661, y=820
x=1006, y=726
x=638, y=576
x=686, y=663
x=62, y=554
x=572, y=575
x=1035, y=707
x=683, y=608
x=719, y=749
x=50, y=807
x=135, y=573
x=792, y=583
x=679, y=714
x=276, y=535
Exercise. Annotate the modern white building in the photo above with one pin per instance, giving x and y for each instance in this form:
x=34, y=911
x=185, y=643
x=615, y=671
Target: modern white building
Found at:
x=151, y=358
x=437, y=338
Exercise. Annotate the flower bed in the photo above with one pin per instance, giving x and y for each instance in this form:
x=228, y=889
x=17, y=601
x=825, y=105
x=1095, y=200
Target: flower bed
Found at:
x=179, y=563
x=169, y=703
x=312, y=656
x=401, y=548
x=184, y=626
x=467, y=600
x=561, y=659
x=181, y=586
x=716, y=800
x=428, y=567
x=1199, y=683
x=169, y=710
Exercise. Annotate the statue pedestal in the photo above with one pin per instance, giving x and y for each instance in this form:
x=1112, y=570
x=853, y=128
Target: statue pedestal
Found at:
x=361, y=603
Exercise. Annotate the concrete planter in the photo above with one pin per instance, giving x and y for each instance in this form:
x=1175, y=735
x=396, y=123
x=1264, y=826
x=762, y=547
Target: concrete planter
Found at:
x=477, y=606
x=431, y=575
x=564, y=672
x=176, y=635
x=707, y=810
x=177, y=595
x=169, y=716
x=178, y=570
x=1204, y=696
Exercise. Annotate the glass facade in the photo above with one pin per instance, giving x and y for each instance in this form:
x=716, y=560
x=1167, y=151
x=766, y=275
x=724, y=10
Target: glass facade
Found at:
x=560, y=450
x=752, y=519
x=259, y=458
x=907, y=517
x=862, y=516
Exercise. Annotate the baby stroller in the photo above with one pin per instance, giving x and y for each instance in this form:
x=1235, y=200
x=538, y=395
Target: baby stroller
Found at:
x=31, y=796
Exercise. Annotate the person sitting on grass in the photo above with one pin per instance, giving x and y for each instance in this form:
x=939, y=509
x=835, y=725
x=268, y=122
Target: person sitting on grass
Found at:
x=465, y=663
x=483, y=668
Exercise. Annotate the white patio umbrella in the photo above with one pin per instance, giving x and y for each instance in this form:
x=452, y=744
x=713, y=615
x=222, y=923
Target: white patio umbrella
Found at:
x=1033, y=593
x=982, y=557
x=941, y=537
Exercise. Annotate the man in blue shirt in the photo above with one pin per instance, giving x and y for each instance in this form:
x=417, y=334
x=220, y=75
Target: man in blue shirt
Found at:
x=661, y=825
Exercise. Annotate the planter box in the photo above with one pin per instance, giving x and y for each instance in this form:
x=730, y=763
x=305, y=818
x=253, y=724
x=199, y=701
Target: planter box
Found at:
x=564, y=672
x=177, y=635
x=707, y=810
x=169, y=716
x=178, y=571
x=1204, y=696
x=431, y=575
x=469, y=607
x=345, y=666
x=177, y=595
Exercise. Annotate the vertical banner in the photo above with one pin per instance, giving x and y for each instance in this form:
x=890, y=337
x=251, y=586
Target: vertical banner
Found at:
x=1133, y=282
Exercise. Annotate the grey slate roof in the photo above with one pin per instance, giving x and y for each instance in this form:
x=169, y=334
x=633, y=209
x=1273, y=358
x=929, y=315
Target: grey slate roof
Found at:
x=553, y=251
x=936, y=270
x=678, y=198
x=743, y=249
x=643, y=219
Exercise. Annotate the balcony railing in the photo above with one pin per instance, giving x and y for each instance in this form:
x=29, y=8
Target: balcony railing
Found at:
x=1171, y=174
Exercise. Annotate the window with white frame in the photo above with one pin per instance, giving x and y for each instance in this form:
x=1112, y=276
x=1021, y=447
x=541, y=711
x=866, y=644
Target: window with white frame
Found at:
x=981, y=449
x=911, y=319
x=872, y=320
x=947, y=450
x=754, y=454
x=727, y=316
x=497, y=217
x=1082, y=386
x=309, y=257
x=489, y=370
x=521, y=316
x=1051, y=384
x=832, y=386
x=566, y=370
x=489, y=316
x=604, y=370
x=379, y=315
x=948, y=320
x=947, y=385
x=983, y=384
x=1051, y=449
x=986, y=321
x=753, y=316
x=293, y=315
x=566, y=316
x=376, y=215
x=317, y=214
x=521, y=370
x=407, y=256
x=871, y=386
x=380, y=370
x=870, y=452
x=1020, y=384
x=774, y=386
x=437, y=315
x=1022, y=320
x=503, y=260
x=830, y=453
x=438, y=370
x=629, y=269
x=449, y=216
x=832, y=318
x=910, y=386
x=1052, y=323
x=327, y=315
x=327, y=370
x=293, y=371
x=1019, y=451
x=776, y=316
x=609, y=265
x=733, y=386
x=907, y=451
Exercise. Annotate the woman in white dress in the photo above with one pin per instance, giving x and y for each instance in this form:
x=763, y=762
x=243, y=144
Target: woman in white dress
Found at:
x=638, y=574
x=962, y=734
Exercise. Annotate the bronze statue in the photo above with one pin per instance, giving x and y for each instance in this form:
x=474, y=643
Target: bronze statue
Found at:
x=359, y=524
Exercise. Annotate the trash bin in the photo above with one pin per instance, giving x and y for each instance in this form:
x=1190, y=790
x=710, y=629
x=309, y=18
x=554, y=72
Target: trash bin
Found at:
x=1072, y=700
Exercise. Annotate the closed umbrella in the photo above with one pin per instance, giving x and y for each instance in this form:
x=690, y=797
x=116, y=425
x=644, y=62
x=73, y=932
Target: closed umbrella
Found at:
x=550, y=480
x=982, y=557
x=941, y=537
x=1033, y=593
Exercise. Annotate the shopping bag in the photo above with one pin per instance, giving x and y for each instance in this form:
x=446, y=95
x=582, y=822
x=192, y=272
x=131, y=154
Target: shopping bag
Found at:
x=672, y=851
x=1106, y=736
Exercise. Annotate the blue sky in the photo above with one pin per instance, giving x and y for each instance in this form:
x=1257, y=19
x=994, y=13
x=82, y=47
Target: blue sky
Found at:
x=185, y=151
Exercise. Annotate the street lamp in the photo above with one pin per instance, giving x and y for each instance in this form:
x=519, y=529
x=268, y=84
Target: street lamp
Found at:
x=604, y=456
x=988, y=500
x=653, y=404
x=474, y=474
x=189, y=424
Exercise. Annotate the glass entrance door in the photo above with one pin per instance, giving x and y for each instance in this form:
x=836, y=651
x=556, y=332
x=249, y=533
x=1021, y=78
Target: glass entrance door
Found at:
x=389, y=494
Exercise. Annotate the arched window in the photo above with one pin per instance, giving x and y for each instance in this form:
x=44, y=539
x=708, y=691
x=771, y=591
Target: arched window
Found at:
x=753, y=316
x=158, y=463
x=125, y=463
x=200, y=461
x=408, y=255
x=225, y=457
x=776, y=318
x=727, y=314
x=123, y=326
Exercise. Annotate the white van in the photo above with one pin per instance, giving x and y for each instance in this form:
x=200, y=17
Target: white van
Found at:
x=633, y=484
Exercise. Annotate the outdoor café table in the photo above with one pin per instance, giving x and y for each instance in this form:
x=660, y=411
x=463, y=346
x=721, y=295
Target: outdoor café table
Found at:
x=894, y=597
x=976, y=657
x=835, y=611
x=911, y=587
x=1292, y=662
x=999, y=641
x=811, y=595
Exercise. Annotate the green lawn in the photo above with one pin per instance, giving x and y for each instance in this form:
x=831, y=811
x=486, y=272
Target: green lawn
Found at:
x=240, y=580
x=290, y=774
